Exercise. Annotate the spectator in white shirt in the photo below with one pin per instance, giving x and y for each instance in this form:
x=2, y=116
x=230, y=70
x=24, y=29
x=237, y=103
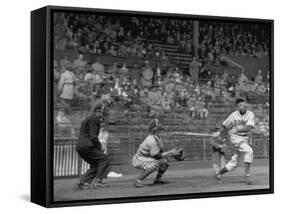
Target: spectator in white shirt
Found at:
x=66, y=88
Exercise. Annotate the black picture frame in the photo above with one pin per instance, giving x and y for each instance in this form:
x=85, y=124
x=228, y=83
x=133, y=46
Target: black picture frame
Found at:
x=42, y=111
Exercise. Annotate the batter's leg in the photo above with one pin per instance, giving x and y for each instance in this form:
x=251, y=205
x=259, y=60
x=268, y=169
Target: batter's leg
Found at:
x=248, y=159
x=222, y=161
x=230, y=166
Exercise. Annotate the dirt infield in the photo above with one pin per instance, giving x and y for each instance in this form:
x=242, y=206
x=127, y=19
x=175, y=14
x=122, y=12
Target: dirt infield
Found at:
x=186, y=177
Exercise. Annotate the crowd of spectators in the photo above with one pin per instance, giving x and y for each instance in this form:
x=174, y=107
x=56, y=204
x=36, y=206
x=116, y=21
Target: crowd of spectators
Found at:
x=143, y=86
x=120, y=35
x=239, y=39
x=159, y=88
x=129, y=36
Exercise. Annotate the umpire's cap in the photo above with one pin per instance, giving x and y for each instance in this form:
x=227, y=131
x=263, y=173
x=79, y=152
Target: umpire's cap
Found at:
x=239, y=100
x=98, y=106
x=155, y=125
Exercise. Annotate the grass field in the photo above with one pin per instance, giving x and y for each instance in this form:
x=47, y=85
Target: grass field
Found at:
x=184, y=177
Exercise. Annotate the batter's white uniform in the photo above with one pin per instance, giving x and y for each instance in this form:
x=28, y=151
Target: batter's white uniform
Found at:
x=240, y=140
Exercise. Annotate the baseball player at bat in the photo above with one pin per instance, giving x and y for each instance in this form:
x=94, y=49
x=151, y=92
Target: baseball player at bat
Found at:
x=150, y=156
x=239, y=124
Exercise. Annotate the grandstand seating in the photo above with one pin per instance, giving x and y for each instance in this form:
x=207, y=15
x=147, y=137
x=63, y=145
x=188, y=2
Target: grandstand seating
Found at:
x=182, y=59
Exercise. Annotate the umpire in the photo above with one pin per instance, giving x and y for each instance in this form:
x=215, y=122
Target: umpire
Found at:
x=90, y=150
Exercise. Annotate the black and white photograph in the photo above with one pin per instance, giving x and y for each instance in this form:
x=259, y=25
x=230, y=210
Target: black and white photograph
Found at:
x=152, y=104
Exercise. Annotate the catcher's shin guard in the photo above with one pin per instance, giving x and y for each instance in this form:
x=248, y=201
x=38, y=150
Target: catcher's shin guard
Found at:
x=144, y=174
x=162, y=169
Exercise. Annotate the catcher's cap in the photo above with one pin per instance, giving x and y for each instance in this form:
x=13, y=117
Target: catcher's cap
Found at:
x=155, y=125
x=239, y=100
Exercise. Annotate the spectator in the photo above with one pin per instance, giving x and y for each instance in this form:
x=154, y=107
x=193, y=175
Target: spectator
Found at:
x=64, y=61
x=144, y=97
x=123, y=72
x=166, y=104
x=135, y=72
x=97, y=66
x=79, y=63
x=117, y=87
x=259, y=78
x=177, y=75
x=97, y=77
x=194, y=69
x=113, y=71
x=147, y=75
x=243, y=79
x=89, y=76
x=262, y=126
x=112, y=51
x=64, y=124
x=191, y=103
x=200, y=108
x=154, y=101
x=66, y=88
x=260, y=89
x=122, y=51
x=164, y=63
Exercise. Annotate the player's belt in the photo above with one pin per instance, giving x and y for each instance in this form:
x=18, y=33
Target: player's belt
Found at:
x=242, y=134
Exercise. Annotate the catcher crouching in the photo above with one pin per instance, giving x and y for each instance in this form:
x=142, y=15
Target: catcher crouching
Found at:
x=150, y=156
x=219, y=150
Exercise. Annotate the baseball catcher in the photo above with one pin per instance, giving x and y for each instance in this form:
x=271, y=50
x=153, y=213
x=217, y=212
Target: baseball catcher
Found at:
x=151, y=157
x=219, y=150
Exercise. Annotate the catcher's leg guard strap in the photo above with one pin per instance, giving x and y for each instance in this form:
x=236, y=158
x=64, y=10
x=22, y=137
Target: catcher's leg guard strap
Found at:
x=162, y=169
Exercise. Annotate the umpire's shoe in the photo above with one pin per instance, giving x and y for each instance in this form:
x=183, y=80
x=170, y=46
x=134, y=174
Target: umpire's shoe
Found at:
x=160, y=182
x=100, y=184
x=81, y=186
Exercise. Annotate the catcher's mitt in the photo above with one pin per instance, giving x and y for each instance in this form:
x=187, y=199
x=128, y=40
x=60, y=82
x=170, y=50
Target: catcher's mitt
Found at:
x=180, y=156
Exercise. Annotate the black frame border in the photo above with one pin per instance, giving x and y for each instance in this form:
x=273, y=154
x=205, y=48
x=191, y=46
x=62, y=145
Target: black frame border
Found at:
x=42, y=183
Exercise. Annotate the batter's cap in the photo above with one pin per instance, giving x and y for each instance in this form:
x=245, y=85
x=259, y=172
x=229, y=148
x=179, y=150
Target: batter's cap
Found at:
x=239, y=100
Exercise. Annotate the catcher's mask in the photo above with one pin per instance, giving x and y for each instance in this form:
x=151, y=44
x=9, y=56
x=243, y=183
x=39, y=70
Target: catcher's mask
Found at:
x=155, y=125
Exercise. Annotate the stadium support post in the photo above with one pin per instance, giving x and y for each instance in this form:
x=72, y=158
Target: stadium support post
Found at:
x=195, y=30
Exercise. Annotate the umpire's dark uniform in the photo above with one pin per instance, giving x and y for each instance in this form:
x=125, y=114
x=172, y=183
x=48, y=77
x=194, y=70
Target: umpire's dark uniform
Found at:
x=89, y=149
